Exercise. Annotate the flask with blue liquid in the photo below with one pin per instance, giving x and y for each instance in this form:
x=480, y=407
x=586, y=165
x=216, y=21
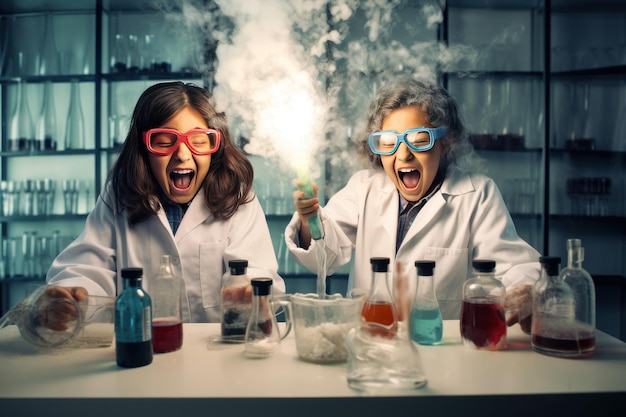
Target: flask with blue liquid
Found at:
x=425, y=322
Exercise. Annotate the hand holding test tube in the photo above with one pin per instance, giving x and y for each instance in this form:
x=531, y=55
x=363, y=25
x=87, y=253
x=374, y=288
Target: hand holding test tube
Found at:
x=315, y=224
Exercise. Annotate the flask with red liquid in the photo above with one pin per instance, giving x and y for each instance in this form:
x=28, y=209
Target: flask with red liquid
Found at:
x=167, y=320
x=378, y=307
x=483, y=323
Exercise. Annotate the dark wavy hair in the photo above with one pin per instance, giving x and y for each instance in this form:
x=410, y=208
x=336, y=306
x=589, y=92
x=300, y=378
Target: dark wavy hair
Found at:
x=228, y=183
x=440, y=108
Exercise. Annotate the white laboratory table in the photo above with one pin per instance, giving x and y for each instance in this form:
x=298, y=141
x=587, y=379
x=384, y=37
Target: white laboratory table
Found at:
x=210, y=380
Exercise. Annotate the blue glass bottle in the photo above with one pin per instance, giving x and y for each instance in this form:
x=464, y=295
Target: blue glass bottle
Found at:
x=133, y=322
x=425, y=322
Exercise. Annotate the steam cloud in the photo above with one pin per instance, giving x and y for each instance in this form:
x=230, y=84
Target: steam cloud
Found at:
x=295, y=77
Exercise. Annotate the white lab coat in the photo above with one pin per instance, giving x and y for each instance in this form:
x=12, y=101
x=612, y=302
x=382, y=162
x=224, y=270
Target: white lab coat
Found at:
x=465, y=220
x=200, y=252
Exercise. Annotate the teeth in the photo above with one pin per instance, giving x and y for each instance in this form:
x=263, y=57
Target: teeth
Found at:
x=405, y=170
x=182, y=171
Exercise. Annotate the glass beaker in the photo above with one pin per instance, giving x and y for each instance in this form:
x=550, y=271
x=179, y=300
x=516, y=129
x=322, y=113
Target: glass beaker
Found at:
x=91, y=325
x=322, y=325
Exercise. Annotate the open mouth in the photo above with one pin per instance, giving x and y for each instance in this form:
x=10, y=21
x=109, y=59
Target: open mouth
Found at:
x=181, y=179
x=409, y=177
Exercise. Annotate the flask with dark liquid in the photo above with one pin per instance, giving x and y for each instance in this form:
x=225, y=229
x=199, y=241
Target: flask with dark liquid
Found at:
x=426, y=324
x=555, y=329
x=483, y=323
x=236, y=302
x=378, y=307
x=167, y=320
x=133, y=322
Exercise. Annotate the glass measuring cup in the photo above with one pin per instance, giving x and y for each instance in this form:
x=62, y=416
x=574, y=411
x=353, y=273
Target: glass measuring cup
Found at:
x=321, y=325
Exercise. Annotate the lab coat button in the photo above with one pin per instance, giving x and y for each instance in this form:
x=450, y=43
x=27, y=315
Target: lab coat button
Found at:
x=175, y=260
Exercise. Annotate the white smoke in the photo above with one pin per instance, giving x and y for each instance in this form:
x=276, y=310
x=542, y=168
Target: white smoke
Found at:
x=295, y=80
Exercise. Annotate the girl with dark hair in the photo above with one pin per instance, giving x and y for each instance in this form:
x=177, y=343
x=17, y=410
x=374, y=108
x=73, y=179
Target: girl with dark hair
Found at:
x=179, y=187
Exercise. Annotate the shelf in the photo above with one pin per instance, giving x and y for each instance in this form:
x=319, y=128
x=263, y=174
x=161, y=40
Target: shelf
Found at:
x=52, y=217
x=152, y=76
x=618, y=70
x=47, y=153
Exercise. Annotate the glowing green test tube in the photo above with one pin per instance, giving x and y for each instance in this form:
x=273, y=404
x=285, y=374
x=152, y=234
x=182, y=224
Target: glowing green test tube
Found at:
x=315, y=224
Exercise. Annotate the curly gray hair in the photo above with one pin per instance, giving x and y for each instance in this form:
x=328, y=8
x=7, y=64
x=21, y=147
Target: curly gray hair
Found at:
x=440, y=108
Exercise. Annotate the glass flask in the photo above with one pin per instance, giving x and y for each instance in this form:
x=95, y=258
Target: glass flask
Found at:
x=166, y=292
x=48, y=54
x=425, y=322
x=236, y=302
x=262, y=335
x=21, y=128
x=584, y=292
x=133, y=322
x=47, y=121
x=483, y=322
x=555, y=328
x=75, y=126
x=378, y=306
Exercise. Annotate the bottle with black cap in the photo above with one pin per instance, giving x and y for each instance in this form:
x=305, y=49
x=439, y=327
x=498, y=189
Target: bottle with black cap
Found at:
x=262, y=336
x=378, y=308
x=236, y=302
x=483, y=321
x=425, y=322
x=555, y=331
x=133, y=322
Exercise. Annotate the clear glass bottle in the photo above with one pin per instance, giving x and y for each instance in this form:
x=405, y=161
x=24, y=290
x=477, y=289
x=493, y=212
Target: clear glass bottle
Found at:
x=378, y=306
x=555, y=328
x=47, y=121
x=166, y=291
x=483, y=322
x=119, y=55
x=584, y=292
x=262, y=336
x=48, y=54
x=133, y=322
x=75, y=126
x=425, y=322
x=21, y=128
x=236, y=302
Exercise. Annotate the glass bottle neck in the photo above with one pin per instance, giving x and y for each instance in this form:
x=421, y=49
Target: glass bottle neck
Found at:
x=424, y=286
x=379, y=290
x=575, y=257
x=132, y=283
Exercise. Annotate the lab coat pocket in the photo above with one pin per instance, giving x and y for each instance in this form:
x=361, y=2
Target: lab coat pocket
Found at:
x=450, y=272
x=210, y=272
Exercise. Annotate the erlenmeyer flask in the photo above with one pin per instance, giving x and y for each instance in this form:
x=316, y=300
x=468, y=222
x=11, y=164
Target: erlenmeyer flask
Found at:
x=21, y=128
x=47, y=121
x=48, y=58
x=75, y=126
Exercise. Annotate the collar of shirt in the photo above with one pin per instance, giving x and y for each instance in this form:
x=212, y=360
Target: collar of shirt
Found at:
x=173, y=211
x=408, y=210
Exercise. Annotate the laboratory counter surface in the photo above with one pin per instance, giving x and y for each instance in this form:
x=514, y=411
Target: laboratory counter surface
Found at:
x=212, y=379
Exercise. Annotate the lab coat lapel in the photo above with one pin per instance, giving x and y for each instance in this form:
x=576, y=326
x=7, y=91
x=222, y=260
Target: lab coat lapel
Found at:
x=196, y=214
x=388, y=205
x=455, y=183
